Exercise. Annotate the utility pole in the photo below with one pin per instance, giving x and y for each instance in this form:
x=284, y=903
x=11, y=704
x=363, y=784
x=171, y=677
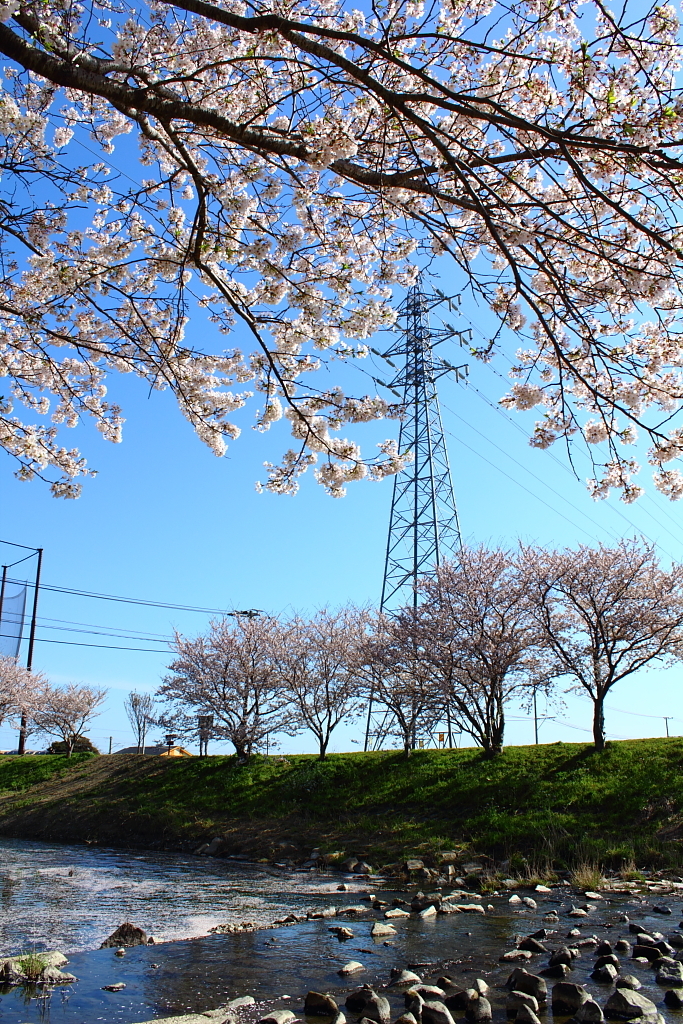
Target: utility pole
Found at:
x=666, y=723
x=535, y=718
x=21, y=749
x=423, y=522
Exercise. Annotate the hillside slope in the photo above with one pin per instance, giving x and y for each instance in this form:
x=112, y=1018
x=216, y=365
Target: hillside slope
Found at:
x=558, y=805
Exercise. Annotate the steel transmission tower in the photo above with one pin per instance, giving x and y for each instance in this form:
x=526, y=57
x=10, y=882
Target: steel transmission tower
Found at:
x=423, y=524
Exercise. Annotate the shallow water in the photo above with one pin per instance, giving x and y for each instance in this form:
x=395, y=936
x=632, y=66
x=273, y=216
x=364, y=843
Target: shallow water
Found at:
x=172, y=896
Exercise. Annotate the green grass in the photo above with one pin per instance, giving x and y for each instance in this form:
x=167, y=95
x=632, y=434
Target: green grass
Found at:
x=545, y=807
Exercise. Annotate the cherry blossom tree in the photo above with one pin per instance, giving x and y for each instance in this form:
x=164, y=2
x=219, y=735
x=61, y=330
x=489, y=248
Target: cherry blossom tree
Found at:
x=315, y=659
x=66, y=711
x=607, y=613
x=398, y=676
x=230, y=674
x=20, y=692
x=288, y=167
x=478, y=632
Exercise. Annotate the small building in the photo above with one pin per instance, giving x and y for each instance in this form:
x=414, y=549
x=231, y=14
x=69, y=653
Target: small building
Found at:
x=160, y=750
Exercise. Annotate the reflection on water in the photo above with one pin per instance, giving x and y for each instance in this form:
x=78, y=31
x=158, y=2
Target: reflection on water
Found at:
x=172, y=894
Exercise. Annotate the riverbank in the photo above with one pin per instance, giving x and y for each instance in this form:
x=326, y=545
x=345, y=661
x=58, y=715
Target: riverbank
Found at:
x=533, y=810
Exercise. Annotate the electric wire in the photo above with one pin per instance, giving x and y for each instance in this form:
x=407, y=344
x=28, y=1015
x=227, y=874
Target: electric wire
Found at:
x=127, y=600
x=75, y=643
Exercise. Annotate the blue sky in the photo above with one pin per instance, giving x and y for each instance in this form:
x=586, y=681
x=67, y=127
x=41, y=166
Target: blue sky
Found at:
x=165, y=520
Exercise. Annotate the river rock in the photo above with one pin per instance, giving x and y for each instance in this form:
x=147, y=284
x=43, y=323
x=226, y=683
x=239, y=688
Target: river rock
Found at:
x=429, y=992
x=516, y=954
x=605, y=974
x=239, y=1001
x=399, y=977
x=349, y=864
x=567, y=997
x=516, y=999
x=529, y=902
x=117, y=987
x=53, y=959
x=362, y=868
x=396, y=912
x=624, y=1004
x=316, y=915
x=352, y=967
x=320, y=1004
x=525, y=1015
x=278, y=1017
x=589, y=1012
x=406, y=1018
x=435, y=1012
x=551, y=916
x=532, y=945
x=413, y=865
x=676, y=939
x=120, y=952
x=563, y=955
x=480, y=986
x=660, y=909
x=381, y=930
x=623, y=946
x=664, y=947
x=650, y=953
x=126, y=934
x=53, y=976
x=521, y=981
x=556, y=971
x=341, y=932
x=673, y=1000
x=604, y=948
x=578, y=912
x=670, y=974
x=366, y=1002
x=459, y=998
x=429, y=911
x=478, y=1010
x=470, y=908
x=629, y=981
x=515, y=899
x=608, y=958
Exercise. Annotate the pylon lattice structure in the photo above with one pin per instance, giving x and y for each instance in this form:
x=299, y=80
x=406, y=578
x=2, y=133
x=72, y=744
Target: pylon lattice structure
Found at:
x=423, y=524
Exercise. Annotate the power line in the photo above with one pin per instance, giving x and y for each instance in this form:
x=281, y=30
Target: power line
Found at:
x=94, y=632
x=103, y=647
x=526, y=469
x=129, y=600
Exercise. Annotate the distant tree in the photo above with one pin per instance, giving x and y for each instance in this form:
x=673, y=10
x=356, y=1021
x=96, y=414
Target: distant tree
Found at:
x=83, y=745
x=607, y=613
x=139, y=708
x=478, y=632
x=315, y=659
x=399, y=677
x=231, y=674
x=66, y=711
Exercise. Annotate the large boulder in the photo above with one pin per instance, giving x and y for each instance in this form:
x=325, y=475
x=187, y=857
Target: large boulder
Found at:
x=515, y=1000
x=478, y=1010
x=365, y=1002
x=589, y=1013
x=521, y=981
x=567, y=997
x=670, y=974
x=320, y=1004
x=434, y=1012
x=624, y=1004
x=126, y=934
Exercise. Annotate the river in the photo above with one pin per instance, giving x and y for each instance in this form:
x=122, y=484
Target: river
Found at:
x=71, y=897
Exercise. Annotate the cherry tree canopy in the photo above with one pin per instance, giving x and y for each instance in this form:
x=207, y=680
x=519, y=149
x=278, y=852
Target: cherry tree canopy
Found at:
x=292, y=162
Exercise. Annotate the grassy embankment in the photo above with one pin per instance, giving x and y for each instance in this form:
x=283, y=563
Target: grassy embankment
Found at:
x=545, y=806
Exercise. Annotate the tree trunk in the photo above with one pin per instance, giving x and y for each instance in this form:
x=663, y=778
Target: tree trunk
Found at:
x=599, y=723
x=21, y=749
x=322, y=743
